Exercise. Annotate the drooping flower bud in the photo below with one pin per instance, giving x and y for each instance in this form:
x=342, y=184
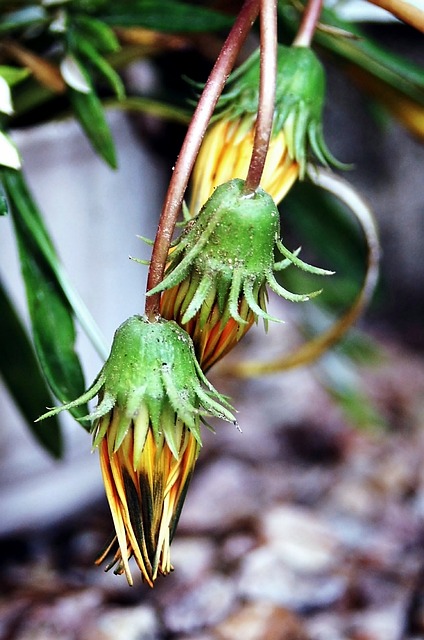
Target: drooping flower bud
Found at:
x=152, y=396
x=297, y=127
x=218, y=270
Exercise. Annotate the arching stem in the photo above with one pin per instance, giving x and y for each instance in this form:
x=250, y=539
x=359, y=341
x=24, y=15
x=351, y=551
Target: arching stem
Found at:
x=265, y=116
x=190, y=149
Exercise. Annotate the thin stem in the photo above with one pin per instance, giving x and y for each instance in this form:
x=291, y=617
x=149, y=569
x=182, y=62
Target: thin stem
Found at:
x=268, y=73
x=308, y=24
x=190, y=149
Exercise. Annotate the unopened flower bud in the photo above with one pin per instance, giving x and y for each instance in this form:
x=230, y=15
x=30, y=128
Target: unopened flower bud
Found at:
x=152, y=397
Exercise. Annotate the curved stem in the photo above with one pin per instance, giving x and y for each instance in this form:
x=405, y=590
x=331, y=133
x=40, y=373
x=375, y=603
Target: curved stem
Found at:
x=190, y=148
x=308, y=24
x=268, y=73
x=406, y=10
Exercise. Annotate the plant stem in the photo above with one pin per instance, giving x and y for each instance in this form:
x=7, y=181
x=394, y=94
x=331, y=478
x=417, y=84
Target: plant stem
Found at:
x=268, y=73
x=190, y=148
x=308, y=23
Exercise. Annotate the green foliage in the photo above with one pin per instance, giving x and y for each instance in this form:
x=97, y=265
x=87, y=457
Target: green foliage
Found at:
x=50, y=312
x=168, y=15
x=21, y=373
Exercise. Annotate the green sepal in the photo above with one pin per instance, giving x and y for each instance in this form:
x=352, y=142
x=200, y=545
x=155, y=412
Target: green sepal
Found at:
x=228, y=250
x=151, y=378
x=299, y=101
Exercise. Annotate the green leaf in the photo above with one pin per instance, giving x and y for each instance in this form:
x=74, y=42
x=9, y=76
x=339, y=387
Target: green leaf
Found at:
x=4, y=207
x=23, y=18
x=50, y=312
x=99, y=34
x=319, y=222
x=89, y=52
x=167, y=15
x=13, y=75
x=21, y=374
x=89, y=111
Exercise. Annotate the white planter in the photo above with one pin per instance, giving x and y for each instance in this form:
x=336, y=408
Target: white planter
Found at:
x=93, y=215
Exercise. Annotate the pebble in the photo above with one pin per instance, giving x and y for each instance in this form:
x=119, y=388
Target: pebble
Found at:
x=264, y=575
x=379, y=624
x=58, y=620
x=223, y=495
x=261, y=621
x=125, y=623
x=201, y=606
x=299, y=539
x=192, y=558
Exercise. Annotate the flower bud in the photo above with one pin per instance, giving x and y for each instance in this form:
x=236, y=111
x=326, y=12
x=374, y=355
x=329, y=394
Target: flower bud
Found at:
x=218, y=269
x=152, y=396
x=297, y=127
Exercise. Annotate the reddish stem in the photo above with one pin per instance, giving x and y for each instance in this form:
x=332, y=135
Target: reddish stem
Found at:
x=190, y=149
x=268, y=73
x=308, y=23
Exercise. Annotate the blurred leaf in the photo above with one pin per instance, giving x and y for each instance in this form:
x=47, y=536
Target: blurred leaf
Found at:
x=21, y=373
x=4, y=207
x=51, y=315
x=9, y=155
x=168, y=111
x=13, y=75
x=344, y=383
x=101, y=65
x=89, y=111
x=166, y=15
x=358, y=408
x=330, y=236
x=99, y=34
x=23, y=18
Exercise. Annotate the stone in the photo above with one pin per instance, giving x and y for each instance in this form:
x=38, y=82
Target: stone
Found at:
x=125, y=623
x=223, y=495
x=265, y=575
x=261, y=621
x=199, y=607
x=299, y=538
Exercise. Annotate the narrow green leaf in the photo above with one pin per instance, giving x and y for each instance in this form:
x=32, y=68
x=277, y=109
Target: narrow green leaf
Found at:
x=4, y=207
x=23, y=18
x=21, y=373
x=51, y=315
x=13, y=75
x=98, y=33
x=89, y=111
x=168, y=15
x=89, y=52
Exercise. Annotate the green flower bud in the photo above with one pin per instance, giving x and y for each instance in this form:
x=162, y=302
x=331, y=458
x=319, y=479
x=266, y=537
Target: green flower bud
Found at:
x=299, y=101
x=228, y=252
x=152, y=398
